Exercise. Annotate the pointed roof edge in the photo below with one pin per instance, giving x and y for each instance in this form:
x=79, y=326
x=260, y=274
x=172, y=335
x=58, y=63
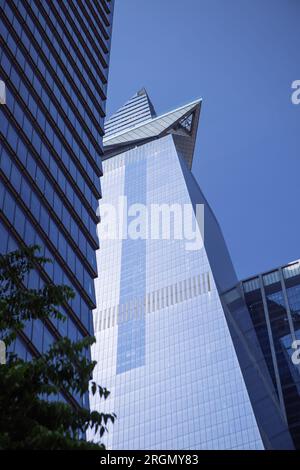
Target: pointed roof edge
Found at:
x=161, y=116
x=152, y=109
x=188, y=147
x=139, y=134
x=142, y=91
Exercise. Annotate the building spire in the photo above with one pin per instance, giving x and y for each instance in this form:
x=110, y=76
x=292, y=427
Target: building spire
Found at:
x=136, y=122
x=138, y=109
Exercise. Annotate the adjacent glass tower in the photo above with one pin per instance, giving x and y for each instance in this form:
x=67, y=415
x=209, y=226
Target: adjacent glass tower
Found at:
x=184, y=371
x=273, y=299
x=54, y=63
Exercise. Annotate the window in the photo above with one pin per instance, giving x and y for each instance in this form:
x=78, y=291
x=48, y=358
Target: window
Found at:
x=35, y=206
x=19, y=222
x=9, y=207
x=12, y=137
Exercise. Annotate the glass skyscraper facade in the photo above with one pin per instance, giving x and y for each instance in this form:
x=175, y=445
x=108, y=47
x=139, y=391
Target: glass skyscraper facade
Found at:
x=175, y=346
x=54, y=62
x=273, y=299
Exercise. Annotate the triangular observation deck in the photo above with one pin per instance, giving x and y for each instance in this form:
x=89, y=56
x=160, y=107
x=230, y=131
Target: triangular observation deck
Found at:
x=136, y=123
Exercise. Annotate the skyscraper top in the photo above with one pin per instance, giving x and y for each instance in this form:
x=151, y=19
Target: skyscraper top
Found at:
x=136, y=123
x=138, y=109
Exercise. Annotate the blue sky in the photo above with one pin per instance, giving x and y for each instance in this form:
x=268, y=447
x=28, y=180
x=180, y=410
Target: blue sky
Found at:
x=241, y=57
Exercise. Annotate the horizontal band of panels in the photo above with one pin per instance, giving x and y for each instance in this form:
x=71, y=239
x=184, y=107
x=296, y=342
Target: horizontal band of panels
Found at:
x=156, y=300
x=289, y=271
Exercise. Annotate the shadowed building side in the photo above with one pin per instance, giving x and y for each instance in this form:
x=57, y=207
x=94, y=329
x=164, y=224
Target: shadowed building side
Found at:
x=54, y=62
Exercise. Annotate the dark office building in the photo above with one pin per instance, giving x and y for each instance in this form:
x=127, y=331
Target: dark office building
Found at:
x=54, y=63
x=273, y=299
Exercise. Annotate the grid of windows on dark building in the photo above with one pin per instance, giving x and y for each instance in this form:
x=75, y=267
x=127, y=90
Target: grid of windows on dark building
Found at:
x=54, y=62
x=273, y=300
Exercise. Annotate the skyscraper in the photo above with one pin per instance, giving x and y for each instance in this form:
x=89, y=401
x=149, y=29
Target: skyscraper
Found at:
x=273, y=299
x=184, y=371
x=54, y=64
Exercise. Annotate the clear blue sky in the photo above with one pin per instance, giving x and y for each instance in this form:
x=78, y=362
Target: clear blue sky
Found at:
x=241, y=57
